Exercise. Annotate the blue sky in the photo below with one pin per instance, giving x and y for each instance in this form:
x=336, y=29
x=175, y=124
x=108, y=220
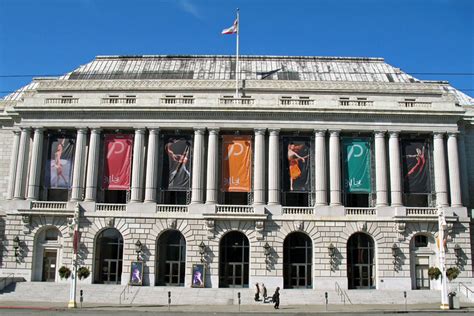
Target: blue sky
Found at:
x=47, y=37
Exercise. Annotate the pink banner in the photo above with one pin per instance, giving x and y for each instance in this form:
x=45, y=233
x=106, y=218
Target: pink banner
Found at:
x=118, y=162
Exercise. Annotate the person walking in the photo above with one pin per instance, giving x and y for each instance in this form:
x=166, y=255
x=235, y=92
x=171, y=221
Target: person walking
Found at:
x=264, y=293
x=276, y=298
x=257, y=292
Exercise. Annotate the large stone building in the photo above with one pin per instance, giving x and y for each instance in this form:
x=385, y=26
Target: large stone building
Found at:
x=319, y=171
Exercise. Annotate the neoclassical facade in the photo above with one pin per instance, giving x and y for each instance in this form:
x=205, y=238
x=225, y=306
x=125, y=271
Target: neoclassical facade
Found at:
x=320, y=171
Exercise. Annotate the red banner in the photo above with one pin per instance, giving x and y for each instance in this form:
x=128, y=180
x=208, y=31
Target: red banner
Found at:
x=118, y=162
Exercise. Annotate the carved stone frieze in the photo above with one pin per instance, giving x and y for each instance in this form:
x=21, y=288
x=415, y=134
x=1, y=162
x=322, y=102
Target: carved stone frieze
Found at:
x=400, y=228
x=26, y=220
x=211, y=232
x=260, y=228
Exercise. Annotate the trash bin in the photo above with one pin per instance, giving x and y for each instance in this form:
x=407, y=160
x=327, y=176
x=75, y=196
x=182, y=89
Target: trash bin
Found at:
x=453, y=301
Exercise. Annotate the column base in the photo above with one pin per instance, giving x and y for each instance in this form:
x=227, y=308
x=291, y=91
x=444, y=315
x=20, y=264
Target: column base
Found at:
x=444, y=306
x=72, y=304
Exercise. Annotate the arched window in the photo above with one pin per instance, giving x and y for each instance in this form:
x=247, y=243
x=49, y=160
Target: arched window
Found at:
x=108, y=257
x=171, y=259
x=234, y=260
x=360, y=262
x=297, y=261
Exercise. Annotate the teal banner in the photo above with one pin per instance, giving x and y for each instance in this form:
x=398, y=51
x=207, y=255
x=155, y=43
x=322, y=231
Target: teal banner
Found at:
x=356, y=153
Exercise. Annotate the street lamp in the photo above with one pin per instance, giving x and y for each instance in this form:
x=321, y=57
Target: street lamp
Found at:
x=395, y=253
x=202, y=250
x=138, y=248
x=267, y=252
x=16, y=246
x=332, y=255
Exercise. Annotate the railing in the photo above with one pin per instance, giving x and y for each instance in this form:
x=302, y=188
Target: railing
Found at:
x=61, y=100
x=177, y=100
x=360, y=103
x=235, y=209
x=238, y=101
x=342, y=294
x=119, y=100
x=464, y=289
x=414, y=104
x=5, y=282
x=110, y=207
x=284, y=101
x=367, y=211
x=172, y=208
x=422, y=211
x=46, y=205
x=297, y=210
x=127, y=289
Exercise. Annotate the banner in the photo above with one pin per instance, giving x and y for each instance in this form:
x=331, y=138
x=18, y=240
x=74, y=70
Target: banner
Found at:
x=297, y=164
x=177, y=163
x=415, y=160
x=58, y=169
x=118, y=162
x=236, y=163
x=356, y=155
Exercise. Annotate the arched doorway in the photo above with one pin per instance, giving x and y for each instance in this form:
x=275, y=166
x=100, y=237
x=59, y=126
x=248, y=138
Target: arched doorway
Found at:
x=108, y=257
x=297, y=261
x=360, y=262
x=171, y=259
x=422, y=257
x=48, y=255
x=234, y=260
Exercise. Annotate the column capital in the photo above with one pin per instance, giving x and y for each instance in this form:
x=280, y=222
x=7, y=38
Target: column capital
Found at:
x=320, y=132
x=438, y=135
x=154, y=130
x=39, y=129
x=394, y=134
x=260, y=131
x=334, y=132
x=140, y=130
x=274, y=131
x=16, y=131
x=26, y=128
x=95, y=130
x=82, y=130
x=214, y=130
x=453, y=134
x=199, y=130
x=380, y=134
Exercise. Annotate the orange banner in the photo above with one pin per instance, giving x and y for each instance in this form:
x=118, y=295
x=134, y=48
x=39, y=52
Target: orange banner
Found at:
x=236, y=163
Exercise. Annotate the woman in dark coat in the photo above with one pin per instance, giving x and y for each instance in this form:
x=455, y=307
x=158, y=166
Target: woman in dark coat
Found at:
x=276, y=298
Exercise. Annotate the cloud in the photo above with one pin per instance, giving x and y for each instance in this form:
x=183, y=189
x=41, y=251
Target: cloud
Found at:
x=189, y=7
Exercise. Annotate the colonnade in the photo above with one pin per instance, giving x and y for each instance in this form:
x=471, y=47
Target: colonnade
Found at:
x=144, y=182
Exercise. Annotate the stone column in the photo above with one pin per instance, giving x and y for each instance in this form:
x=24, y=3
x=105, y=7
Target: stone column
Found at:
x=93, y=165
x=463, y=166
x=151, y=182
x=138, y=162
x=212, y=164
x=259, y=168
x=197, y=181
x=13, y=164
x=380, y=169
x=440, y=169
x=79, y=158
x=21, y=168
x=454, y=174
x=35, y=165
x=274, y=167
x=320, y=166
x=395, y=171
x=334, y=168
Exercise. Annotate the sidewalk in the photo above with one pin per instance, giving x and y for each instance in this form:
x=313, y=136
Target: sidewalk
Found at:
x=263, y=308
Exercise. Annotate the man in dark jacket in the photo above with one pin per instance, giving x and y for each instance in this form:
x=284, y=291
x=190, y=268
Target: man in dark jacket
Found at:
x=276, y=298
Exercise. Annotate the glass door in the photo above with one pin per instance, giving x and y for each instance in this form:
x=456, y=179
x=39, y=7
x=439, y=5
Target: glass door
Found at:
x=49, y=265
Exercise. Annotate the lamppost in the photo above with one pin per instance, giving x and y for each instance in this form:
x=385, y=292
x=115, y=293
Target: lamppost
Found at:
x=16, y=246
x=75, y=244
x=332, y=255
x=138, y=249
x=202, y=251
x=268, y=253
x=442, y=258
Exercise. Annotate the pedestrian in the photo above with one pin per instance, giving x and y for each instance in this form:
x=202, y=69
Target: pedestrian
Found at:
x=264, y=293
x=257, y=292
x=276, y=298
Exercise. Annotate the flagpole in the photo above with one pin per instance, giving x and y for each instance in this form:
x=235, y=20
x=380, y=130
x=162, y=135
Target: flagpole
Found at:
x=442, y=257
x=237, y=66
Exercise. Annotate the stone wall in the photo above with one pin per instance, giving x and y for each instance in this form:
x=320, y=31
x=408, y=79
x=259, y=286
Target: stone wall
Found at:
x=6, y=143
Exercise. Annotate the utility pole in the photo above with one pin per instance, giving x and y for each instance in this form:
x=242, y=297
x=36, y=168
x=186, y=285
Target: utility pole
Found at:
x=75, y=224
x=442, y=257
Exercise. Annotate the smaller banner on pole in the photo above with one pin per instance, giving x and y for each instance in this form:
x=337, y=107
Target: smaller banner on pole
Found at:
x=356, y=153
x=59, y=163
x=236, y=163
x=118, y=162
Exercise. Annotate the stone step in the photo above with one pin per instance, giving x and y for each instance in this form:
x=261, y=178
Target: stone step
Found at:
x=115, y=294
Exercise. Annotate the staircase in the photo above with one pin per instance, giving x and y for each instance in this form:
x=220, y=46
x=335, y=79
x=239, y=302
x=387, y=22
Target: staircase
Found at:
x=102, y=294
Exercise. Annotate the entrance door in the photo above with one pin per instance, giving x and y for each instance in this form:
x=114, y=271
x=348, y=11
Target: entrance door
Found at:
x=360, y=262
x=171, y=259
x=298, y=276
x=111, y=271
x=297, y=261
x=234, y=260
x=49, y=265
x=173, y=273
x=421, y=273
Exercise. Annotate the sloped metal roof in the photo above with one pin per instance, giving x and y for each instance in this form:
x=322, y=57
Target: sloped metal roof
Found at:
x=251, y=67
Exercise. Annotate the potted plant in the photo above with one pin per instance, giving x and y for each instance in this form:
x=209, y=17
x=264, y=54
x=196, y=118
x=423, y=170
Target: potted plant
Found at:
x=64, y=272
x=434, y=273
x=452, y=273
x=83, y=273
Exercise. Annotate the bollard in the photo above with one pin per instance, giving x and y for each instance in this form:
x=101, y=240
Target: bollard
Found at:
x=405, y=296
x=326, y=297
x=238, y=296
x=169, y=300
x=81, y=299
